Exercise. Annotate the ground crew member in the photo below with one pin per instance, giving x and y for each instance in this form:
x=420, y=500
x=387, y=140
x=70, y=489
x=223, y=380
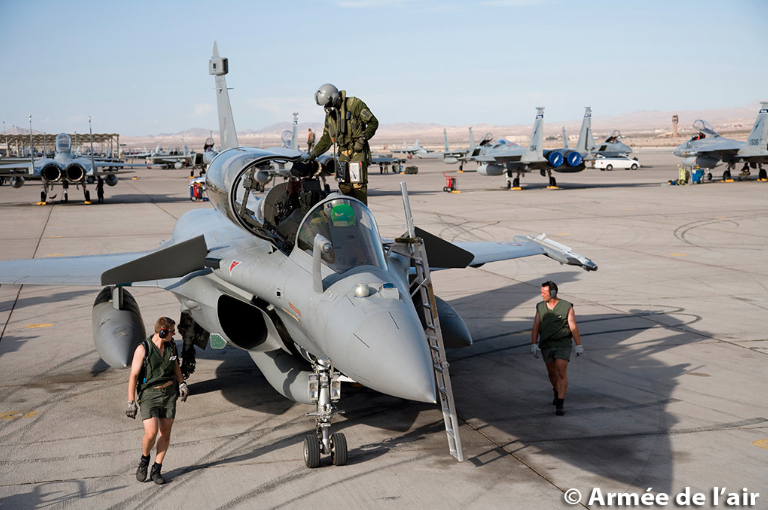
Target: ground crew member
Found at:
x=555, y=321
x=349, y=124
x=160, y=387
x=100, y=190
x=310, y=140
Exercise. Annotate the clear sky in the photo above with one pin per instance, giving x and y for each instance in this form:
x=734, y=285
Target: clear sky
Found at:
x=140, y=67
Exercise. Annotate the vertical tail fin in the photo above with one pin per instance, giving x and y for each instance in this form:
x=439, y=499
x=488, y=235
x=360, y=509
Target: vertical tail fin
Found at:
x=565, y=139
x=535, y=146
x=472, y=143
x=405, y=144
x=445, y=136
x=586, y=142
x=294, y=132
x=219, y=67
x=757, y=141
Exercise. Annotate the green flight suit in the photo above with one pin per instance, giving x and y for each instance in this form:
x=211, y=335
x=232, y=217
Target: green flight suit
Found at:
x=360, y=123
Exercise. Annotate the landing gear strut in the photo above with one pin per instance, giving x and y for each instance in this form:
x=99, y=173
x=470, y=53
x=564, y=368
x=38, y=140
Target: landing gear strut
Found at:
x=324, y=390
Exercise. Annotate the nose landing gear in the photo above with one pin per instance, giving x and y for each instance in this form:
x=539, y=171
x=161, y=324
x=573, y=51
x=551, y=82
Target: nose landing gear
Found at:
x=324, y=391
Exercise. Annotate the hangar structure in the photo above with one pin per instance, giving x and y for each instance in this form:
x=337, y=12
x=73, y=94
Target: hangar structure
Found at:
x=18, y=145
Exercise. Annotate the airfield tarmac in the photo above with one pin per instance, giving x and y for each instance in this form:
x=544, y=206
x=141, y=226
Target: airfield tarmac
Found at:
x=670, y=393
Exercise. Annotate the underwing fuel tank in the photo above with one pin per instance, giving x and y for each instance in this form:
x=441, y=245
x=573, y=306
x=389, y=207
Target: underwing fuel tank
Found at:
x=117, y=332
x=701, y=162
x=491, y=170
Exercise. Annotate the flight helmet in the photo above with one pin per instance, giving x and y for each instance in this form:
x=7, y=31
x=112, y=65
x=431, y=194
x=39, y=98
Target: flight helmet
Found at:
x=328, y=96
x=342, y=215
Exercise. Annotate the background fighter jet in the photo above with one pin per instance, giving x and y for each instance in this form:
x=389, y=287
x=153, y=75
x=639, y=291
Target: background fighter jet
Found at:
x=64, y=169
x=707, y=149
x=301, y=280
x=415, y=150
x=172, y=159
x=503, y=157
x=460, y=156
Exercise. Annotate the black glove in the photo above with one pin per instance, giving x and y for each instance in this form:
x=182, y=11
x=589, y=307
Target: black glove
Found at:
x=307, y=158
x=183, y=391
x=359, y=144
x=132, y=409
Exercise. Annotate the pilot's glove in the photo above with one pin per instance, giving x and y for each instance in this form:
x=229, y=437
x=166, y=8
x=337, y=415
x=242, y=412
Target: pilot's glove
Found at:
x=307, y=158
x=535, y=350
x=579, y=350
x=183, y=391
x=359, y=144
x=132, y=409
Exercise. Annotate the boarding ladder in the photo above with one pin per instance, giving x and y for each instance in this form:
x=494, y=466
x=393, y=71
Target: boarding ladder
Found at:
x=413, y=247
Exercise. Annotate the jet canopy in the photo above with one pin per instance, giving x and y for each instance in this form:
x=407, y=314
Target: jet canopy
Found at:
x=351, y=229
x=614, y=136
x=63, y=143
x=287, y=138
x=208, y=144
x=704, y=128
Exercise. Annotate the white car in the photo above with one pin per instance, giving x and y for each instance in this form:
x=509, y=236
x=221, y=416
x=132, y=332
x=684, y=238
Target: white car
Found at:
x=625, y=162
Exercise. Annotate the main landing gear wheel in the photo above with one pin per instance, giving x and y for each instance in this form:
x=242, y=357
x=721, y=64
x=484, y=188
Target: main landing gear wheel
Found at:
x=516, y=182
x=762, y=174
x=87, y=196
x=552, y=182
x=709, y=176
x=726, y=175
x=42, y=196
x=312, y=451
x=508, y=184
x=338, y=449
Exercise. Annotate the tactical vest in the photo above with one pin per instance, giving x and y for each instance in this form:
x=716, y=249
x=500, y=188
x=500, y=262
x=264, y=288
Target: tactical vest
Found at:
x=158, y=369
x=553, y=324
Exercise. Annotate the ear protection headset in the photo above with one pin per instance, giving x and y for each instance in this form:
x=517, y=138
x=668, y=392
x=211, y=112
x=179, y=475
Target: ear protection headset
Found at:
x=165, y=330
x=552, y=289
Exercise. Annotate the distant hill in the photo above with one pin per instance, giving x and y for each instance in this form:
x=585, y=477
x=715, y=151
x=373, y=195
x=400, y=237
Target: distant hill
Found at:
x=649, y=123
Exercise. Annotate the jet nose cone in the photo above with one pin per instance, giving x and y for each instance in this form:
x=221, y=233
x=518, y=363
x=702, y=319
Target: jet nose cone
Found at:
x=389, y=353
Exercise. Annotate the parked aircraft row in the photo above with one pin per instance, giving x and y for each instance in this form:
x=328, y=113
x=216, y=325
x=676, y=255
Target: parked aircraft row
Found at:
x=503, y=157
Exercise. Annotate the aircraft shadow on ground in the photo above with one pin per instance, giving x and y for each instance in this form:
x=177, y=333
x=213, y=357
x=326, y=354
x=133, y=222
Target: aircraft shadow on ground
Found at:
x=60, y=493
x=615, y=430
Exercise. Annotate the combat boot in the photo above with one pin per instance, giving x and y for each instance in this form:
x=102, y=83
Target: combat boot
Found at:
x=558, y=407
x=155, y=474
x=141, y=472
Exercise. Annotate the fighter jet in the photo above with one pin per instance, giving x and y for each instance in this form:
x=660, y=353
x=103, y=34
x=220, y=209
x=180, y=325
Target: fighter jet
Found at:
x=172, y=159
x=503, y=157
x=707, y=149
x=460, y=156
x=301, y=280
x=414, y=150
x=64, y=169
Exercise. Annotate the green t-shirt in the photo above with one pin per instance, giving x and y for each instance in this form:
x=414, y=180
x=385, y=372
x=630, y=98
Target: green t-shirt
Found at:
x=553, y=324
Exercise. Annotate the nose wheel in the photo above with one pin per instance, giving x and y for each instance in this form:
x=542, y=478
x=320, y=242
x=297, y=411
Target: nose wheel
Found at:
x=324, y=391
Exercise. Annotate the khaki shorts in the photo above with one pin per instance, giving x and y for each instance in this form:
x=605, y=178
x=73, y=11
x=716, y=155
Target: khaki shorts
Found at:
x=550, y=354
x=159, y=402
